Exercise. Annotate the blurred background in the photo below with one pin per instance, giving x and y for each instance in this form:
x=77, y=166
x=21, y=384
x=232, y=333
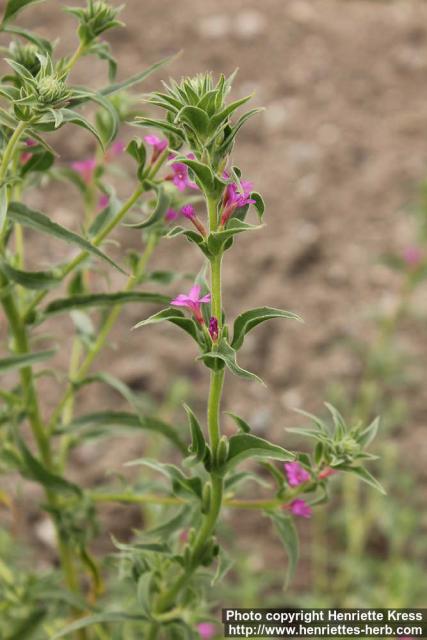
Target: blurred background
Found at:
x=340, y=155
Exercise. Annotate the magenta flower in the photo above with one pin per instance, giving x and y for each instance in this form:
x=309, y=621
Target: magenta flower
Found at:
x=413, y=256
x=158, y=144
x=213, y=329
x=206, y=630
x=188, y=211
x=326, y=472
x=300, y=508
x=296, y=474
x=103, y=201
x=192, y=301
x=180, y=177
x=27, y=155
x=235, y=196
x=171, y=215
x=115, y=150
x=85, y=168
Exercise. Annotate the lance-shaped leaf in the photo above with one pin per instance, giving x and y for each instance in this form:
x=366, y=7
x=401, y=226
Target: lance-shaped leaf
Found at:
x=250, y=319
x=34, y=280
x=258, y=204
x=49, y=122
x=196, y=119
x=110, y=132
x=90, y=300
x=231, y=132
x=289, y=537
x=198, y=443
x=364, y=475
x=180, y=482
x=162, y=205
x=168, y=528
x=207, y=180
x=96, y=424
x=227, y=111
x=41, y=43
x=36, y=220
x=32, y=468
x=99, y=618
x=245, y=445
x=135, y=79
x=217, y=239
x=241, y=424
x=367, y=435
x=13, y=7
x=176, y=317
x=167, y=127
x=25, y=360
x=226, y=354
x=192, y=236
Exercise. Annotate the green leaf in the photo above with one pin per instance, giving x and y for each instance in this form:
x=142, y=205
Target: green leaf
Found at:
x=246, y=445
x=100, y=618
x=91, y=300
x=31, y=279
x=166, y=529
x=229, y=109
x=51, y=120
x=246, y=321
x=217, y=239
x=159, y=124
x=196, y=119
x=198, y=443
x=208, y=182
x=101, y=422
x=259, y=203
x=180, y=482
x=365, y=476
x=366, y=436
x=242, y=425
x=38, y=221
x=224, y=564
x=192, y=236
x=35, y=470
x=176, y=317
x=162, y=205
x=13, y=7
x=3, y=205
x=26, y=628
x=135, y=79
x=25, y=360
x=289, y=536
x=226, y=354
x=43, y=44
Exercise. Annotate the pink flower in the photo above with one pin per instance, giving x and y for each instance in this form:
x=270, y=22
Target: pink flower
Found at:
x=206, y=630
x=85, y=168
x=158, y=144
x=413, y=256
x=171, y=215
x=192, y=301
x=300, y=508
x=235, y=196
x=188, y=211
x=103, y=201
x=213, y=329
x=27, y=155
x=325, y=473
x=180, y=176
x=115, y=150
x=296, y=474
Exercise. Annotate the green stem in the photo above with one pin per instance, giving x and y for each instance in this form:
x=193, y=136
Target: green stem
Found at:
x=10, y=148
x=79, y=373
x=68, y=268
x=216, y=288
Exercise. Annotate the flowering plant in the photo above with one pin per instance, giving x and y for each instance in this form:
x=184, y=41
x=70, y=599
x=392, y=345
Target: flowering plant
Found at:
x=195, y=193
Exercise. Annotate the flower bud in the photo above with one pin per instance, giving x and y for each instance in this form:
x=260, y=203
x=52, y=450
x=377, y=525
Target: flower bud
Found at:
x=221, y=453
